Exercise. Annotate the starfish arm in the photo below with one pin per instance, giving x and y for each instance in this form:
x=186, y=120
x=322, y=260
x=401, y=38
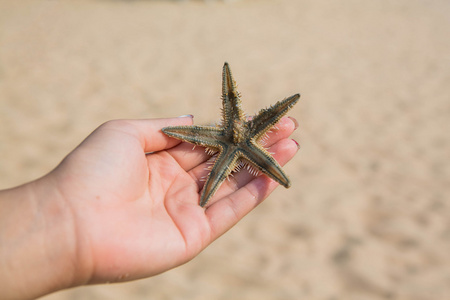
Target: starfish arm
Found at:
x=206, y=136
x=231, y=103
x=263, y=161
x=223, y=166
x=268, y=117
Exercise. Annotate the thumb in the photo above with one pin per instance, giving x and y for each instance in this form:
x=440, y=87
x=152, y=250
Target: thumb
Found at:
x=151, y=136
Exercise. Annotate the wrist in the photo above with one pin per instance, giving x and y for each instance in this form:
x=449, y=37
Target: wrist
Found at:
x=38, y=245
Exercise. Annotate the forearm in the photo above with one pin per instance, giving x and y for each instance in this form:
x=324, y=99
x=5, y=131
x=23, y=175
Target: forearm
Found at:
x=37, y=244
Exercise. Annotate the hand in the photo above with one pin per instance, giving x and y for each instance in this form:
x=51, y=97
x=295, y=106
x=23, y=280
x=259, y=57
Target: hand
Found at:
x=130, y=200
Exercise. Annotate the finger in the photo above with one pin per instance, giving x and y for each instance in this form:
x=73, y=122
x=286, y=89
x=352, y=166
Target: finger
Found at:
x=281, y=131
x=281, y=150
x=149, y=131
x=190, y=157
x=227, y=211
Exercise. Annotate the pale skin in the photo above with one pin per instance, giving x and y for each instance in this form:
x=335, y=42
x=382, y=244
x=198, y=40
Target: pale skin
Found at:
x=122, y=206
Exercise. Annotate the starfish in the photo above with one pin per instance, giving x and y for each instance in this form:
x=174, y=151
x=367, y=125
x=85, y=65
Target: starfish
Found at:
x=237, y=139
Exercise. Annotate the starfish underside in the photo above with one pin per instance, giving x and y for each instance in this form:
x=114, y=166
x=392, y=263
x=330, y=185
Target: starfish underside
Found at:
x=237, y=139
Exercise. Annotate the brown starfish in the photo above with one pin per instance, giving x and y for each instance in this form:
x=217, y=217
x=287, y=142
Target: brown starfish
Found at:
x=237, y=138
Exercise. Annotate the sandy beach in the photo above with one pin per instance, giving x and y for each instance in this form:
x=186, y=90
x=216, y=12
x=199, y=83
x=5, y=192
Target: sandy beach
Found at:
x=368, y=213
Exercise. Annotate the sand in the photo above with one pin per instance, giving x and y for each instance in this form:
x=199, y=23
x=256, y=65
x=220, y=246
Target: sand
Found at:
x=368, y=215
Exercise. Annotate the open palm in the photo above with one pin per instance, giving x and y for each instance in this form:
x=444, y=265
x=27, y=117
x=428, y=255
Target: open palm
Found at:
x=134, y=194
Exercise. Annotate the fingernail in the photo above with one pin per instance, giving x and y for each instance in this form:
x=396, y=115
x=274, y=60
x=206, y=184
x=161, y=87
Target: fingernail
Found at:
x=298, y=145
x=295, y=122
x=186, y=116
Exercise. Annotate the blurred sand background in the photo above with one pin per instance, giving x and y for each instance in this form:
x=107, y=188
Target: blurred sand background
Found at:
x=368, y=215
